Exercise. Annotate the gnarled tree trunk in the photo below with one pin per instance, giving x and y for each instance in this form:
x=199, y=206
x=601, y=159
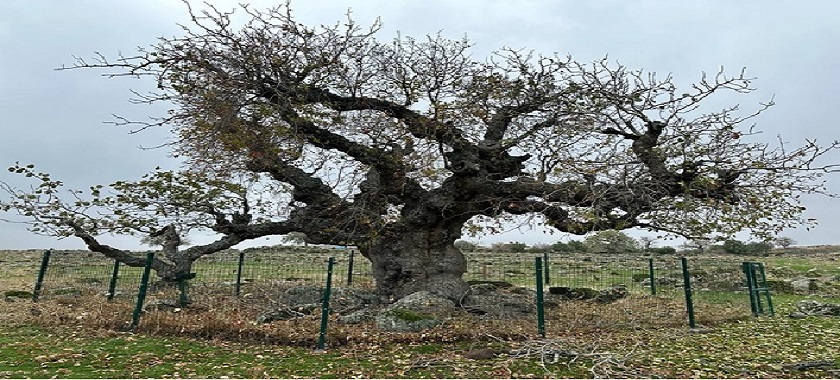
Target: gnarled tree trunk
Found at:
x=406, y=261
x=181, y=266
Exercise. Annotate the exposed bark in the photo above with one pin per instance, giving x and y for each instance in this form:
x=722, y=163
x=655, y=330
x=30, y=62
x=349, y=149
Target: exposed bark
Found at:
x=172, y=263
x=407, y=261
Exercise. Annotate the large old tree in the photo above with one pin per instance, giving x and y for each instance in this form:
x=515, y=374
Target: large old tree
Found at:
x=399, y=147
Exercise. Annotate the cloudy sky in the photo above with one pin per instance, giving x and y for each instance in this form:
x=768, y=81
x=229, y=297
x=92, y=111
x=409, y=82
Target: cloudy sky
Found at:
x=55, y=119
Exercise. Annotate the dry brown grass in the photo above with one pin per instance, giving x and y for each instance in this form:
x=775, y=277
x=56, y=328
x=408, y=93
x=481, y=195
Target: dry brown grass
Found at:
x=232, y=319
x=215, y=314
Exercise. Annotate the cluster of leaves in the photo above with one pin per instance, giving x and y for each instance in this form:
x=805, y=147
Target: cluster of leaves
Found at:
x=186, y=199
x=612, y=242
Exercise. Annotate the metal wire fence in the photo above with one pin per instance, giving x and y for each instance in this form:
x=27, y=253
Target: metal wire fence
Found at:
x=639, y=288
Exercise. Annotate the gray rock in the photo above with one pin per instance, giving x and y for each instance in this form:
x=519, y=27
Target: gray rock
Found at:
x=609, y=295
x=483, y=289
x=804, y=285
x=499, y=303
x=415, y=312
x=424, y=302
x=305, y=300
x=300, y=295
x=403, y=320
x=285, y=313
x=352, y=299
x=811, y=307
x=340, y=298
x=358, y=317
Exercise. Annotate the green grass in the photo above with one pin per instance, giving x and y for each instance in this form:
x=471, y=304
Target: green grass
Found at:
x=27, y=351
x=804, y=264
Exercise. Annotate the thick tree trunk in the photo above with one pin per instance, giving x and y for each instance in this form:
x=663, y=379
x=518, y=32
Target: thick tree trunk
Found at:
x=181, y=265
x=406, y=262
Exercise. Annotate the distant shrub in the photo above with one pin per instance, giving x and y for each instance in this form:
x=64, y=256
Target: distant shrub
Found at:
x=514, y=247
x=735, y=247
x=759, y=248
x=465, y=246
x=573, y=246
x=664, y=250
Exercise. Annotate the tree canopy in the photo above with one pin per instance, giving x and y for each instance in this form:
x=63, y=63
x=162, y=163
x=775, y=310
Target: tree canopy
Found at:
x=400, y=146
x=611, y=242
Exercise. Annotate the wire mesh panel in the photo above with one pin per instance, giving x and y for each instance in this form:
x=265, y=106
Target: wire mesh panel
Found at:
x=719, y=289
x=599, y=292
x=74, y=273
x=585, y=291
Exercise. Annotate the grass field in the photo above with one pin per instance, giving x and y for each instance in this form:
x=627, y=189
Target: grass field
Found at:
x=640, y=336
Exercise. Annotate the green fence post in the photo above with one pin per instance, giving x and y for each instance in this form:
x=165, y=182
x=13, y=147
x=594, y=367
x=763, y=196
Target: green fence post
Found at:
x=45, y=261
x=745, y=266
x=652, y=277
x=141, y=293
x=238, y=287
x=350, y=268
x=540, y=300
x=766, y=289
x=758, y=304
x=546, y=268
x=325, y=307
x=183, y=300
x=689, y=303
x=183, y=286
x=112, y=286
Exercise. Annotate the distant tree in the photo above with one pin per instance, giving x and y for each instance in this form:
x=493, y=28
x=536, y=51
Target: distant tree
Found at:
x=573, y=246
x=559, y=246
x=465, y=246
x=735, y=247
x=511, y=247
x=698, y=244
x=611, y=241
x=645, y=242
x=759, y=248
x=784, y=241
x=577, y=246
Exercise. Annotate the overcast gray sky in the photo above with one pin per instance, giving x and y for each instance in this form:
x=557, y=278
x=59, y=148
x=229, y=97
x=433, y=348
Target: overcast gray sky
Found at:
x=54, y=119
